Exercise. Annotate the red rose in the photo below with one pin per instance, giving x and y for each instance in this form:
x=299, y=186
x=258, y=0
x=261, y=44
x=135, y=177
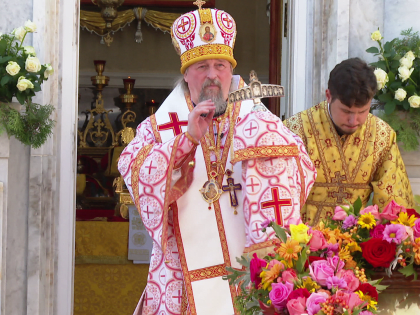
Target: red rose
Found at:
x=312, y=259
x=299, y=293
x=378, y=253
x=368, y=289
x=411, y=212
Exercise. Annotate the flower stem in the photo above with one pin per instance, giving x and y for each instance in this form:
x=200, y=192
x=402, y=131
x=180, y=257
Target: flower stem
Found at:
x=382, y=54
x=413, y=82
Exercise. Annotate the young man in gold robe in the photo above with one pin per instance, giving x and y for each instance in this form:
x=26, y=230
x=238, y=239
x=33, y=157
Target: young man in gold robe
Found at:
x=355, y=153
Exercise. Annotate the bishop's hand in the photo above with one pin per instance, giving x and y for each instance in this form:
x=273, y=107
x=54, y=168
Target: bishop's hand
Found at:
x=200, y=118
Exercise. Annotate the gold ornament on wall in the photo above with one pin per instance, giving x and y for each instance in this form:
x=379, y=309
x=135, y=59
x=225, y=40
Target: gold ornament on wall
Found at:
x=108, y=10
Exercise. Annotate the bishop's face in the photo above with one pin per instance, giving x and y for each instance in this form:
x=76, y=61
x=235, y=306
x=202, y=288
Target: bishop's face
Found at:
x=347, y=119
x=209, y=79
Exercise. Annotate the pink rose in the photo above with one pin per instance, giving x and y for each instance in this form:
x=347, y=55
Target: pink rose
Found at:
x=255, y=267
x=377, y=231
x=336, y=263
x=279, y=294
x=296, y=306
x=350, y=278
x=416, y=228
x=317, y=241
x=391, y=211
x=374, y=210
x=289, y=275
x=351, y=299
x=312, y=303
x=339, y=214
x=320, y=270
x=275, y=262
x=366, y=313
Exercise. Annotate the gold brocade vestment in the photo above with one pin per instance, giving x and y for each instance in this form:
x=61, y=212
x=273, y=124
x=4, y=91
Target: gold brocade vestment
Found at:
x=350, y=166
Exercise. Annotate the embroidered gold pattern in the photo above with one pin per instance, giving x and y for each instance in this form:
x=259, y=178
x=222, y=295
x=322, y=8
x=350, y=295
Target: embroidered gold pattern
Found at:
x=268, y=151
x=205, y=16
x=208, y=273
x=204, y=50
x=156, y=133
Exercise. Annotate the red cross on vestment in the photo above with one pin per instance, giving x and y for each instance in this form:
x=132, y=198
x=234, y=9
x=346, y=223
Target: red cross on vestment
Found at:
x=276, y=203
x=175, y=124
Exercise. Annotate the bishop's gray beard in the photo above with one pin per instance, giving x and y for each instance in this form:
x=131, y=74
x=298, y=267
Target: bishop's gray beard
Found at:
x=215, y=95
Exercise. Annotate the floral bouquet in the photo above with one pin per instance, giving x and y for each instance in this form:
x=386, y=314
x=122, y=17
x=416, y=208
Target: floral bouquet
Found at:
x=376, y=240
x=398, y=76
x=307, y=273
x=21, y=76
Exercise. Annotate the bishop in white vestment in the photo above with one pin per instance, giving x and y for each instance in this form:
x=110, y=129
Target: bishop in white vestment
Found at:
x=202, y=184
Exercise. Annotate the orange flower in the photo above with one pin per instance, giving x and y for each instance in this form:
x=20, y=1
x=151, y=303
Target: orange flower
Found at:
x=289, y=250
x=350, y=263
x=270, y=275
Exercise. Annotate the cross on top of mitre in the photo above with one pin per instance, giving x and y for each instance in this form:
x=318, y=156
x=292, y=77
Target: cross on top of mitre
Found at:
x=199, y=3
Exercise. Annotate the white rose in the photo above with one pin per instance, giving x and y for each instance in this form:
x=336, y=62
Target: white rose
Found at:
x=24, y=84
x=414, y=101
x=30, y=26
x=376, y=35
x=381, y=77
x=405, y=62
x=400, y=94
x=410, y=55
x=32, y=64
x=12, y=68
x=29, y=50
x=405, y=73
x=1, y=34
x=49, y=71
x=19, y=33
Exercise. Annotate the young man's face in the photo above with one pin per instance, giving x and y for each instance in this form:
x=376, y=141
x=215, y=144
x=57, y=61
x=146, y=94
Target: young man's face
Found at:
x=347, y=119
x=209, y=78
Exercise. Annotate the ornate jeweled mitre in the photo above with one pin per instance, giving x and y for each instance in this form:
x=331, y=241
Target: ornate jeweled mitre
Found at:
x=204, y=34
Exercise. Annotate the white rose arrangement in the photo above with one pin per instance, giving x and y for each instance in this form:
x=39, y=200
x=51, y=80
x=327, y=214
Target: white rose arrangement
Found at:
x=397, y=74
x=21, y=76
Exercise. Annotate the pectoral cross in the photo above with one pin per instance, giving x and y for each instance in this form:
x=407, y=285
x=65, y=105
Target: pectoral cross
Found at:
x=231, y=187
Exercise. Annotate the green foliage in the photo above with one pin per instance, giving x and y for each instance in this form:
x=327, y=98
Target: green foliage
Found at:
x=408, y=271
x=393, y=58
x=33, y=125
x=407, y=126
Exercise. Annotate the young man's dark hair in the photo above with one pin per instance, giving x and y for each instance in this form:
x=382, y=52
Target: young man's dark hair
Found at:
x=352, y=82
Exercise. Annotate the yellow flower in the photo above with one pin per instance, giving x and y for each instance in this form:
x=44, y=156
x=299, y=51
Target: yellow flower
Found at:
x=268, y=276
x=367, y=220
x=300, y=233
x=353, y=247
x=309, y=284
x=289, y=250
x=371, y=302
x=405, y=220
x=344, y=254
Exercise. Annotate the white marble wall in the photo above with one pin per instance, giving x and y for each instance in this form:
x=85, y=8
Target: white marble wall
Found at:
x=14, y=14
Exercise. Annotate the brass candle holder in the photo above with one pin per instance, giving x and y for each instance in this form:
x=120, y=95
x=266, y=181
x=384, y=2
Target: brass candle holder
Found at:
x=99, y=81
x=128, y=99
x=152, y=106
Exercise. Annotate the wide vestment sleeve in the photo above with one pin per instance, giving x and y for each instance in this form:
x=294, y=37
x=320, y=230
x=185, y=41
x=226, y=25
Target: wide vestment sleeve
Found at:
x=156, y=174
x=390, y=180
x=277, y=175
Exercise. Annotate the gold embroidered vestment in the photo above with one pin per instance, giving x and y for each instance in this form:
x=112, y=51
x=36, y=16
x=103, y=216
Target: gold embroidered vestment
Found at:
x=350, y=166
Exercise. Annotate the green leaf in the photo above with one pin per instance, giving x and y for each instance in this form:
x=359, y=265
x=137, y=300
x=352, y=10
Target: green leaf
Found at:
x=281, y=233
x=417, y=198
x=386, y=97
x=5, y=59
x=388, y=46
x=408, y=271
x=300, y=264
x=4, y=80
x=395, y=85
x=390, y=107
x=395, y=64
x=3, y=46
x=405, y=104
x=20, y=97
x=387, y=55
x=373, y=50
x=410, y=89
x=380, y=64
x=391, y=77
x=357, y=206
x=37, y=87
